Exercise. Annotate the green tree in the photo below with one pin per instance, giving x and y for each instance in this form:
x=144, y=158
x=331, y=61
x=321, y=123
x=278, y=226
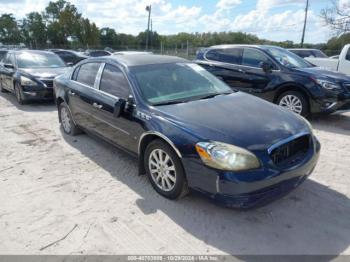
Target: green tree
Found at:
x=9, y=30
x=34, y=30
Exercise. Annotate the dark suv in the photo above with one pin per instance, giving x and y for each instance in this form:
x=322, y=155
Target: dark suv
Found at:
x=278, y=76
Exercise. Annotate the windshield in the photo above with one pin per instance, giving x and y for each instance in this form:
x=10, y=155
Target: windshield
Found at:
x=287, y=58
x=177, y=82
x=39, y=60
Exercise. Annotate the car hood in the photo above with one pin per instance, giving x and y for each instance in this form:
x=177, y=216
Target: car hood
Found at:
x=238, y=119
x=320, y=72
x=45, y=73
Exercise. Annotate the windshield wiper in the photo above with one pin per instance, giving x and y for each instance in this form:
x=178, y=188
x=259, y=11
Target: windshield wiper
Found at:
x=214, y=95
x=170, y=102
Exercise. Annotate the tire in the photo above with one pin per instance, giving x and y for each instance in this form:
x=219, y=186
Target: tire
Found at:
x=169, y=183
x=66, y=120
x=295, y=102
x=19, y=95
x=3, y=90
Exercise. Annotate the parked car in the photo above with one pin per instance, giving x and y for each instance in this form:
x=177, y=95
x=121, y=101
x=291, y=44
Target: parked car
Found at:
x=342, y=64
x=308, y=52
x=29, y=74
x=97, y=53
x=132, y=53
x=188, y=128
x=278, y=76
x=70, y=57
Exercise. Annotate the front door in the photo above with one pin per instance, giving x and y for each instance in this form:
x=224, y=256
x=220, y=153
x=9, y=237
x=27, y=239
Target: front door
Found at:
x=255, y=80
x=8, y=73
x=125, y=129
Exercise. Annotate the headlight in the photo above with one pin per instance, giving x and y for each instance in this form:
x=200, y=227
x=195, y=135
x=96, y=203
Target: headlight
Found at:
x=25, y=81
x=327, y=84
x=226, y=157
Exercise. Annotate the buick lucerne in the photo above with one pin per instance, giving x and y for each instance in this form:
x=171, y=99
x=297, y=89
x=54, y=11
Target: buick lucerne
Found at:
x=188, y=129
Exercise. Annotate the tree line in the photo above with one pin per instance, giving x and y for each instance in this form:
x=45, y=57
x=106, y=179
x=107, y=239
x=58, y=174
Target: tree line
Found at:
x=60, y=25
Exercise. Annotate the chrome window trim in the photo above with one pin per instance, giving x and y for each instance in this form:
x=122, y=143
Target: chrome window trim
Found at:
x=161, y=136
x=285, y=141
x=230, y=64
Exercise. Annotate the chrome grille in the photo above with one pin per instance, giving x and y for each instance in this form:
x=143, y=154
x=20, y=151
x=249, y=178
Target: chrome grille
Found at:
x=48, y=83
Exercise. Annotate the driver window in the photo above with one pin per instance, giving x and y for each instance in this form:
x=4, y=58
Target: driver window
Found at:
x=114, y=82
x=254, y=58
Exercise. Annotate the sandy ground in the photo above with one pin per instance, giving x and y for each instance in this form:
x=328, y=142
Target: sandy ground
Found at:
x=88, y=194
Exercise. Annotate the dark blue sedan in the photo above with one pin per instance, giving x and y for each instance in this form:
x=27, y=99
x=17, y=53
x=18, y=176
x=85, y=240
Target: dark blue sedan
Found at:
x=188, y=129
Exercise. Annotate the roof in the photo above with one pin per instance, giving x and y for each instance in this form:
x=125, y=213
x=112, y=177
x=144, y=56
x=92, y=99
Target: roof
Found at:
x=302, y=49
x=145, y=59
x=242, y=45
x=31, y=51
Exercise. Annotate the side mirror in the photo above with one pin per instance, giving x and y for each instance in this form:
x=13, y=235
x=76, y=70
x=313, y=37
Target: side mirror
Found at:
x=9, y=66
x=266, y=67
x=70, y=64
x=119, y=107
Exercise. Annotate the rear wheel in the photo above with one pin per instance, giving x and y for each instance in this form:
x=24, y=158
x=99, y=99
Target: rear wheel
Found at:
x=165, y=170
x=295, y=102
x=67, y=121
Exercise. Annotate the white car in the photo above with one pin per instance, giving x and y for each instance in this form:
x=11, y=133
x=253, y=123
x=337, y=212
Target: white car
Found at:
x=342, y=64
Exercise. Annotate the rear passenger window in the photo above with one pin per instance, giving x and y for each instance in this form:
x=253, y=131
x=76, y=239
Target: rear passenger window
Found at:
x=87, y=74
x=254, y=58
x=229, y=55
x=114, y=82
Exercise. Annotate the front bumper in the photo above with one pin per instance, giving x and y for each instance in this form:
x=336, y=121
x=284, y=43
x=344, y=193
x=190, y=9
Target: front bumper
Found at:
x=251, y=188
x=43, y=93
x=331, y=102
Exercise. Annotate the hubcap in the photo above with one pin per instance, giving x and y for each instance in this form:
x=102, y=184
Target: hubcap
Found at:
x=65, y=119
x=162, y=170
x=293, y=103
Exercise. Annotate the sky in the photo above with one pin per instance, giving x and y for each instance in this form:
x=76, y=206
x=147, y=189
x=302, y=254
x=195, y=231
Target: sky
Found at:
x=277, y=20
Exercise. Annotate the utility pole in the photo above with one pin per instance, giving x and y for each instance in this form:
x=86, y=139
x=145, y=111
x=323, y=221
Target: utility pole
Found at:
x=306, y=11
x=149, y=10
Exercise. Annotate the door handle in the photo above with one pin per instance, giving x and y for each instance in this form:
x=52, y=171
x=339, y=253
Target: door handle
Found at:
x=71, y=93
x=241, y=71
x=97, y=105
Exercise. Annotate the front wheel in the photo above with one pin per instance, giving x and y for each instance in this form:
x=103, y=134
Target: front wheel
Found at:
x=19, y=95
x=3, y=90
x=66, y=120
x=165, y=170
x=294, y=101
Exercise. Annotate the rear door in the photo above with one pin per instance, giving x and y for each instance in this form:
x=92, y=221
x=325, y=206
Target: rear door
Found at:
x=120, y=130
x=82, y=93
x=225, y=64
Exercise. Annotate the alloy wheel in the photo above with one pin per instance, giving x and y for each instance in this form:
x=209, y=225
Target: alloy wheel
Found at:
x=65, y=119
x=293, y=103
x=162, y=170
